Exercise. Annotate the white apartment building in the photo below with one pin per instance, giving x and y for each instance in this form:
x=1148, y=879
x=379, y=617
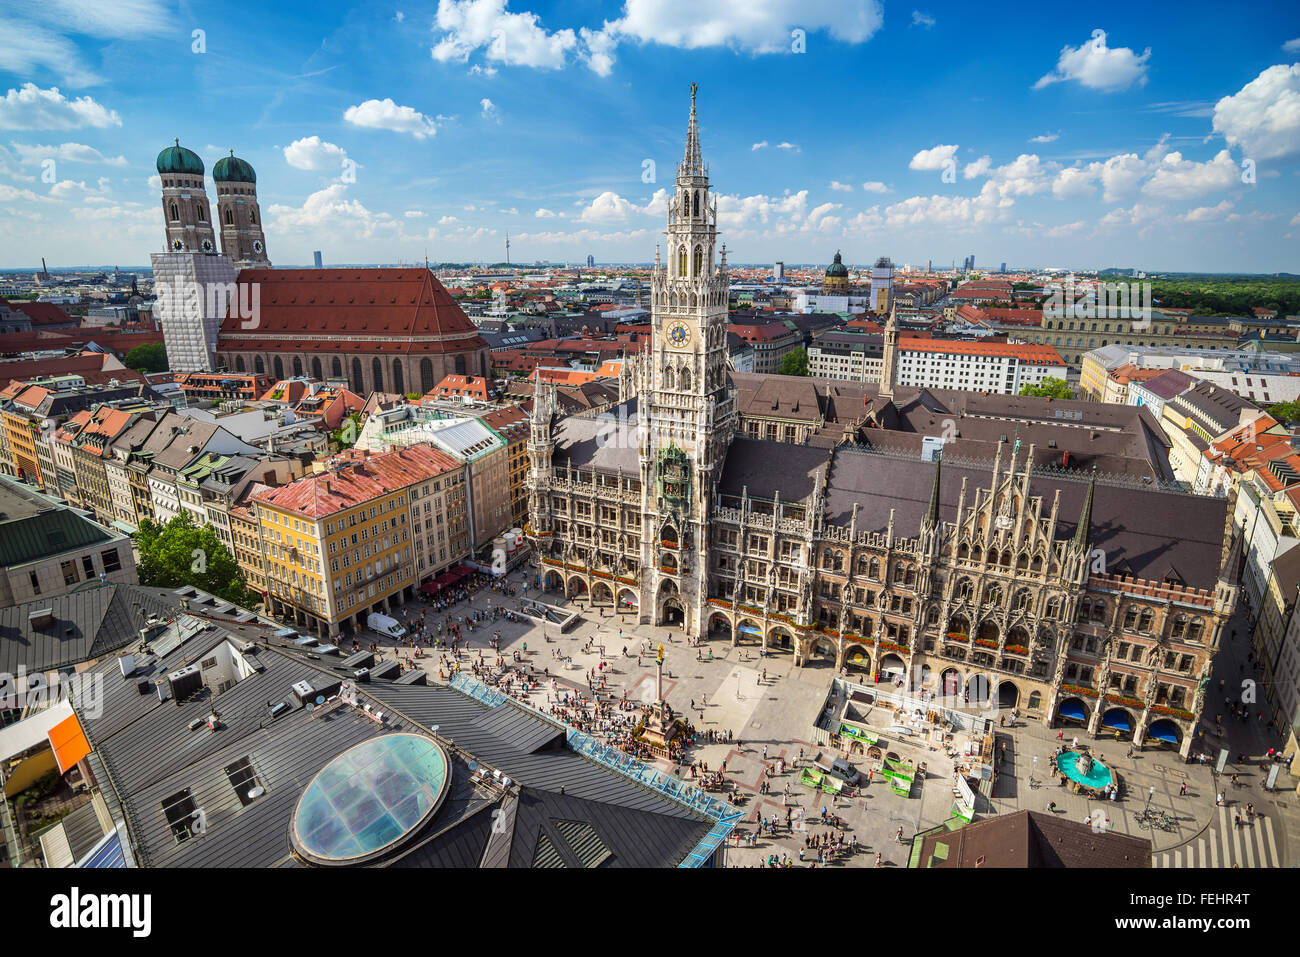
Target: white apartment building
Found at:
x=849, y=356
x=999, y=367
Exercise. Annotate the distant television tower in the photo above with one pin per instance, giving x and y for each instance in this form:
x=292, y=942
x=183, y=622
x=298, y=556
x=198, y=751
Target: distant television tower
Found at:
x=507, y=249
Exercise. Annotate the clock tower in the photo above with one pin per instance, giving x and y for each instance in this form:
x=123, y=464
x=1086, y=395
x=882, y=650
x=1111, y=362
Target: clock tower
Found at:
x=687, y=412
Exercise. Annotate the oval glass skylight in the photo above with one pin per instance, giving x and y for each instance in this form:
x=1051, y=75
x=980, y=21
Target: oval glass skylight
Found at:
x=369, y=799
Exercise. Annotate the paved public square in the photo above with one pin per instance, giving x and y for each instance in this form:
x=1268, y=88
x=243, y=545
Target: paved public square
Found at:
x=773, y=719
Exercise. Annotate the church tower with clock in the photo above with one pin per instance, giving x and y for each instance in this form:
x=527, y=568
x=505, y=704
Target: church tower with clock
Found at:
x=687, y=413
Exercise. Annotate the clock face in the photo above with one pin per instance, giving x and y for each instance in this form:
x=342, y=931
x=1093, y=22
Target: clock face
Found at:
x=678, y=334
x=257, y=245
x=177, y=244
x=207, y=245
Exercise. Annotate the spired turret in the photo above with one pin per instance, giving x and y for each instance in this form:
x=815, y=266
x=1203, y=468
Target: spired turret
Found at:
x=242, y=238
x=186, y=213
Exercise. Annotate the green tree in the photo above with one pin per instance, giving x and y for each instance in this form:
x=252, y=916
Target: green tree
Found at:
x=181, y=553
x=1050, y=388
x=794, y=362
x=1285, y=412
x=150, y=358
x=349, y=430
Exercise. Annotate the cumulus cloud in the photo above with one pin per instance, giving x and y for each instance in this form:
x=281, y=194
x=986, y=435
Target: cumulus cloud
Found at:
x=875, y=186
x=386, y=115
x=1177, y=178
x=448, y=221
x=515, y=39
x=545, y=214
x=610, y=207
x=332, y=209
x=478, y=70
x=1263, y=117
x=68, y=152
x=787, y=146
x=1099, y=67
x=1207, y=213
x=489, y=109
x=978, y=168
x=737, y=212
x=1292, y=46
x=1046, y=137
x=1075, y=181
x=933, y=159
x=761, y=145
x=31, y=108
x=312, y=152
x=841, y=187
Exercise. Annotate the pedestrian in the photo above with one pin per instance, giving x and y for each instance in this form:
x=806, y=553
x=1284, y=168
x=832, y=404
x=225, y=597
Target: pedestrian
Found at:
x=899, y=836
x=879, y=859
x=1051, y=807
x=1182, y=790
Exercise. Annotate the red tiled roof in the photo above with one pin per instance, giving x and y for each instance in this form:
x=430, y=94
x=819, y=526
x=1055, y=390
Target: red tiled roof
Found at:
x=1037, y=354
x=359, y=478
x=354, y=306
x=41, y=313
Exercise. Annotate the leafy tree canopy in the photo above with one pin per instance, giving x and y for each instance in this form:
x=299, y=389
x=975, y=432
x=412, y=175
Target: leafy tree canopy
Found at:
x=149, y=358
x=1049, y=388
x=794, y=362
x=181, y=553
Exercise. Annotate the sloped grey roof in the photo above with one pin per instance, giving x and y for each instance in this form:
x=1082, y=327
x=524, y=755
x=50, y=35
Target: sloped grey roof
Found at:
x=765, y=467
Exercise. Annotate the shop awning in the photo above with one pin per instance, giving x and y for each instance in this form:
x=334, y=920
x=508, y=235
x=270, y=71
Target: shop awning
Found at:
x=1163, y=731
x=1072, y=708
x=69, y=743
x=749, y=630
x=1116, y=719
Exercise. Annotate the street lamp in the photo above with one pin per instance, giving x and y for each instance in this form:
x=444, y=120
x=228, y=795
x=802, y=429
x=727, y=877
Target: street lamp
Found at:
x=1151, y=793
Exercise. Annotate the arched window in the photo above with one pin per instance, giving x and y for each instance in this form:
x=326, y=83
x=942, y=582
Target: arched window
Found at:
x=670, y=381
x=1035, y=700
x=1053, y=609
x=1195, y=629
x=426, y=376
x=699, y=261
x=862, y=564
x=337, y=368
x=259, y=366
x=459, y=364
x=278, y=366
x=963, y=590
x=230, y=217
x=399, y=381
x=993, y=595
x=377, y=374
x=686, y=202
x=1144, y=620
x=685, y=384
x=358, y=386
x=316, y=368
x=202, y=215
x=681, y=261
x=696, y=213
x=1130, y=617
x=239, y=363
x=176, y=213
x=252, y=216
x=1023, y=599
x=873, y=571
x=297, y=367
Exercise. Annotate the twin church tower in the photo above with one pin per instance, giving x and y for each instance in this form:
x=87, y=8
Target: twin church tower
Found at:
x=193, y=280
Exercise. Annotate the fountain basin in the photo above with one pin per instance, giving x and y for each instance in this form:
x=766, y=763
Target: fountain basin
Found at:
x=1096, y=776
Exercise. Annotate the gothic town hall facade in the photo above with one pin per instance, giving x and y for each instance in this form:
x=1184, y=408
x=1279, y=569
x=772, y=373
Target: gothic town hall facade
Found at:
x=986, y=584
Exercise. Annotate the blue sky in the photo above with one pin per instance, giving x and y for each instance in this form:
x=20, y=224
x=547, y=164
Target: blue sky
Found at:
x=1164, y=136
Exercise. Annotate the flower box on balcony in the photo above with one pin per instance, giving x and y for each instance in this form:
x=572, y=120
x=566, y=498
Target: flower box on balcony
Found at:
x=625, y=581
x=1123, y=700
x=1079, y=689
x=986, y=643
x=958, y=636
x=668, y=544
x=1017, y=649
x=1172, y=712
x=667, y=571
x=890, y=646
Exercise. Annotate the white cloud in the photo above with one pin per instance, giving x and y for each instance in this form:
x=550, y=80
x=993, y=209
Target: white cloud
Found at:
x=978, y=168
x=875, y=186
x=333, y=210
x=737, y=212
x=68, y=152
x=1263, y=117
x=9, y=194
x=516, y=39
x=1295, y=220
x=1023, y=176
x=787, y=146
x=920, y=19
x=545, y=214
x=1046, y=137
x=489, y=109
x=755, y=27
x=32, y=108
x=1177, y=178
x=29, y=48
x=610, y=207
x=952, y=211
x=399, y=16
x=66, y=188
x=414, y=214
x=311, y=152
x=598, y=53
x=1207, y=213
x=386, y=115
x=447, y=220
x=761, y=145
x=1292, y=46
x=1121, y=174
x=477, y=70
x=841, y=187
x=1075, y=181
x=933, y=159
x=1098, y=66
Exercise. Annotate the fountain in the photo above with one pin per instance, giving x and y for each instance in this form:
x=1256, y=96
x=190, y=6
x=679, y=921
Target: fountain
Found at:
x=1085, y=770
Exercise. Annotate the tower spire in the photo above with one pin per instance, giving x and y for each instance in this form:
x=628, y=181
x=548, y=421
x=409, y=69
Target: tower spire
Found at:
x=692, y=160
x=932, y=513
x=1085, y=516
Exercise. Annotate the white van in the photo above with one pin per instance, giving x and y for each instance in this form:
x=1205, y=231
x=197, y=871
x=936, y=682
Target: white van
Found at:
x=385, y=625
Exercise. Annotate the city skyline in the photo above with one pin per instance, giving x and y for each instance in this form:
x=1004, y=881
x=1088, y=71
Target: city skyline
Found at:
x=1104, y=139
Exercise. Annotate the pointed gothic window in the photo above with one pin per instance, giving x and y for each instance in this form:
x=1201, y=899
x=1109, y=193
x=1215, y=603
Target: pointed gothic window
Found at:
x=230, y=218
x=699, y=261
x=176, y=214
x=669, y=380
x=252, y=216
x=681, y=261
x=202, y=217
x=696, y=212
x=685, y=384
